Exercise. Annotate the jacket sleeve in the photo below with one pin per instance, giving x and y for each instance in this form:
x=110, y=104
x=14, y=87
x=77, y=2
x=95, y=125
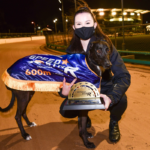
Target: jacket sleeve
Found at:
x=121, y=78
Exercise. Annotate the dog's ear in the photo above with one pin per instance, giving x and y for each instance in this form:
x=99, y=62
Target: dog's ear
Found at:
x=94, y=42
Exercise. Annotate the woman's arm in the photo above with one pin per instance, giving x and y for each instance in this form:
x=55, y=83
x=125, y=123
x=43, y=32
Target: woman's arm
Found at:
x=121, y=78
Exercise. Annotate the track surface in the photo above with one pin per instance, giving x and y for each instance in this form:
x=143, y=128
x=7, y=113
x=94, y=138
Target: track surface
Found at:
x=57, y=133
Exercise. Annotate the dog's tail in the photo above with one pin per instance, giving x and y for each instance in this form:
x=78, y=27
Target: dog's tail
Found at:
x=10, y=105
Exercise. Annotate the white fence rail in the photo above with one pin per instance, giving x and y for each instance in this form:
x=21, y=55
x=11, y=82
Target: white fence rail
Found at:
x=21, y=39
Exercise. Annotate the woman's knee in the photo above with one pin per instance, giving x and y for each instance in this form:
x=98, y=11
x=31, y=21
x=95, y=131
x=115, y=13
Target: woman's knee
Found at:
x=123, y=99
x=122, y=104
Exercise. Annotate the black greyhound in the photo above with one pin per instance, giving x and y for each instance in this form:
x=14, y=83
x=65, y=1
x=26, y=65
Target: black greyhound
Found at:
x=98, y=59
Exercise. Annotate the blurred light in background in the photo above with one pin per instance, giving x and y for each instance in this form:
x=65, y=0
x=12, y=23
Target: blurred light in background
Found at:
x=101, y=9
x=132, y=14
x=114, y=13
x=120, y=19
x=101, y=13
x=125, y=13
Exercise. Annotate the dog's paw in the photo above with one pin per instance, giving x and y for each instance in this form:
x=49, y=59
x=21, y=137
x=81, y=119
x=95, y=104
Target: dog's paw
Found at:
x=89, y=145
x=27, y=137
x=85, y=140
x=33, y=124
x=89, y=135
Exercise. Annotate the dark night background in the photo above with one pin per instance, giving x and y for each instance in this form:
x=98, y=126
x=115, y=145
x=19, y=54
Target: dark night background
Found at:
x=17, y=15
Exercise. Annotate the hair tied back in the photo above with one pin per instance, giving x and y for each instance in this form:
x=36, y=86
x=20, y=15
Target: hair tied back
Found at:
x=84, y=8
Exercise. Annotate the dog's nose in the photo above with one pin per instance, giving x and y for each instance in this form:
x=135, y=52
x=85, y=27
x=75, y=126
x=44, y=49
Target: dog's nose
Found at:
x=108, y=64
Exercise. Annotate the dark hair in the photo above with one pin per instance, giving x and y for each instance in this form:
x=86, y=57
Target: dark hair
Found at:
x=75, y=45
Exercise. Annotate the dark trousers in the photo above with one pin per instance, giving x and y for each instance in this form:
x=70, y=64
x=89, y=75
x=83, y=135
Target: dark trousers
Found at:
x=116, y=111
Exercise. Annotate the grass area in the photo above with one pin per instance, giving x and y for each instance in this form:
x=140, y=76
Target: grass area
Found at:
x=134, y=43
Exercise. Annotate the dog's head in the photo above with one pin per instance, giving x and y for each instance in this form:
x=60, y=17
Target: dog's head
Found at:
x=99, y=54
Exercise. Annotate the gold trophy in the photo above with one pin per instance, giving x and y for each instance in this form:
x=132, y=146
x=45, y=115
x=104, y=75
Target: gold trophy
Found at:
x=83, y=95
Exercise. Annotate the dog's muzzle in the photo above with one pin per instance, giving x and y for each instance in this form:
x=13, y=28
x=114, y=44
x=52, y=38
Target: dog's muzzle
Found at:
x=108, y=65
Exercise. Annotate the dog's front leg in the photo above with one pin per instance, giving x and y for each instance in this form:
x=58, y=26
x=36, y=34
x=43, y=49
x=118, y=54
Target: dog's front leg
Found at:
x=83, y=131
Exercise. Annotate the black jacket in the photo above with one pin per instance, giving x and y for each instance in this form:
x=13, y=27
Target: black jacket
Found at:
x=119, y=81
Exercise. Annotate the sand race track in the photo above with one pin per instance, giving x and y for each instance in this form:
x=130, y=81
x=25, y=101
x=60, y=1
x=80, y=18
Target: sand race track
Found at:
x=53, y=132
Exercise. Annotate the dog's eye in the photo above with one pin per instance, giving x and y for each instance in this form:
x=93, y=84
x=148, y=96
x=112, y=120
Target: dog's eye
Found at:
x=99, y=51
x=107, y=50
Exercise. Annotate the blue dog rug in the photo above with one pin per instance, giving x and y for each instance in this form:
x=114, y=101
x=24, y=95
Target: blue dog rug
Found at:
x=41, y=72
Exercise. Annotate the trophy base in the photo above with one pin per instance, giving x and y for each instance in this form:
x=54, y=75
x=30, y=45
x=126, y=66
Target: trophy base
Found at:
x=83, y=105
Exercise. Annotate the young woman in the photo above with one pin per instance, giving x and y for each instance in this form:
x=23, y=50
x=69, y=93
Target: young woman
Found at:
x=113, y=88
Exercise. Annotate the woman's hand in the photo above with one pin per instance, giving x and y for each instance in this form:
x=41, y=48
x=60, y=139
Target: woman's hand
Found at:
x=66, y=88
x=107, y=100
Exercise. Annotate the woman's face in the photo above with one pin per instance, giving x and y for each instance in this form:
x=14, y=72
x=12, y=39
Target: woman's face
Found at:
x=84, y=20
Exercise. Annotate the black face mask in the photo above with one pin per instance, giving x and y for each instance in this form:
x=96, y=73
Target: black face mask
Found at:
x=84, y=32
